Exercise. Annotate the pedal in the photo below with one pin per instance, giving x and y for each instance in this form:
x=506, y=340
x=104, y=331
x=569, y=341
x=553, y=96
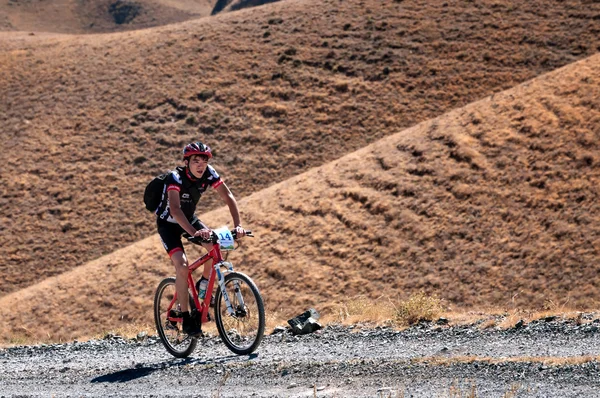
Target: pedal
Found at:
x=170, y=324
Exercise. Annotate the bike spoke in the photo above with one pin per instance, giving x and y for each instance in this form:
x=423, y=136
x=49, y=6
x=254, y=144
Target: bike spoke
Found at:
x=243, y=330
x=170, y=331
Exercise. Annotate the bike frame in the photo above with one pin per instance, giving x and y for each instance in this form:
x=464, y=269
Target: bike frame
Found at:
x=215, y=273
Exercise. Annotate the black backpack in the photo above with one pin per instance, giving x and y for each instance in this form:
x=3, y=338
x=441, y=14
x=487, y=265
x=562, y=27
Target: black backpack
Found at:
x=155, y=192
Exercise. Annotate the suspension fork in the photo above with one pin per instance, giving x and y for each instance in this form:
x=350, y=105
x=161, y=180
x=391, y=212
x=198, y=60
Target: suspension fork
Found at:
x=221, y=281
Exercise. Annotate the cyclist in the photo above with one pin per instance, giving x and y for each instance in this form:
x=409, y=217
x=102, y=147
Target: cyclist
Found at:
x=175, y=215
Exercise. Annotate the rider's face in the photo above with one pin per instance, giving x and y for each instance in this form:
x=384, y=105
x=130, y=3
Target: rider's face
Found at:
x=197, y=165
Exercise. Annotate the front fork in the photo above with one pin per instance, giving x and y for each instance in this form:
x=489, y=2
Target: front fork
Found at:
x=221, y=281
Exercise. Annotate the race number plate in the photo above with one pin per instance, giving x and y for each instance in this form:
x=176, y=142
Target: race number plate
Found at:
x=225, y=238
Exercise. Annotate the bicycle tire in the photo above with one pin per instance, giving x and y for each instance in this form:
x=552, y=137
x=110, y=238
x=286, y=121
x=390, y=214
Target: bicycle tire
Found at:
x=246, y=332
x=174, y=334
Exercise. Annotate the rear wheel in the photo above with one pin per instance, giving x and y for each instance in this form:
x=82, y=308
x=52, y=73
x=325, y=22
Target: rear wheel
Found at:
x=170, y=332
x=243, y=331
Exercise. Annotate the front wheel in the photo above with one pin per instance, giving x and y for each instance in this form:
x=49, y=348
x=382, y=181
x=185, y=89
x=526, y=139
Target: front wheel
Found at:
x=243, y=330
x=170, y=331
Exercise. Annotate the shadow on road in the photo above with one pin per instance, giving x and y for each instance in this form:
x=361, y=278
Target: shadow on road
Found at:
x=123, y=376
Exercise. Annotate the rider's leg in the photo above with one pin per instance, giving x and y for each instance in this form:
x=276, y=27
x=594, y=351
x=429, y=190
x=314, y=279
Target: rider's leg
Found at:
x=208, y=246
x=170, y=236
x=206, y=271
x=208, y=264
x=179, y=260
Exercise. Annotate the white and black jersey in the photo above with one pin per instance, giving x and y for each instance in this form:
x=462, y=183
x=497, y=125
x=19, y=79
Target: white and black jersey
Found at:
x=190, y=190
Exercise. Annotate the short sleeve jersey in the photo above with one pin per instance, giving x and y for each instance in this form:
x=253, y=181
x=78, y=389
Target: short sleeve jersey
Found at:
x=190, y=190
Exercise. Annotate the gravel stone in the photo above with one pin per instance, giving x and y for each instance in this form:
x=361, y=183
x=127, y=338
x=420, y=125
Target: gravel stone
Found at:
x=426, y=360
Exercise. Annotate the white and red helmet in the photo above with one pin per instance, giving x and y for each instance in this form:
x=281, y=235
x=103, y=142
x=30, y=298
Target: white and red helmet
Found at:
x=196, y=148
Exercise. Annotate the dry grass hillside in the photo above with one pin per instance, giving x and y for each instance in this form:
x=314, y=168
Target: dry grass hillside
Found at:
x=234, y=5
x=75, y=16
x=101, y=16
x=492, y=204
x=275, y=90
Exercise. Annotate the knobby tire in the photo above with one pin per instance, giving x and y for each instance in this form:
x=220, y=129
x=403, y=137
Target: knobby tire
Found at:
x=253, y=299
x=160, y=321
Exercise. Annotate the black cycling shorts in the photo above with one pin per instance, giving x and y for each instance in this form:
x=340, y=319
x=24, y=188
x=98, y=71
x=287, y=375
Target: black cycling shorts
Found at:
x=170, y=234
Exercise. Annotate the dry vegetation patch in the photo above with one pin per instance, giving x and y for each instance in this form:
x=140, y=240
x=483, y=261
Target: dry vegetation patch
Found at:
x=369, y=224
x=275, y=90
x=418, y=307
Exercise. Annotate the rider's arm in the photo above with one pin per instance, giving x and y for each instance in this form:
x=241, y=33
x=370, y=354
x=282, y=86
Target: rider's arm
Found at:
x=228, y=198
x=177, y=213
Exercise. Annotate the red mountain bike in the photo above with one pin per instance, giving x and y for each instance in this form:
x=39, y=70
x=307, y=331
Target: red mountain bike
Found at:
x=238, y=308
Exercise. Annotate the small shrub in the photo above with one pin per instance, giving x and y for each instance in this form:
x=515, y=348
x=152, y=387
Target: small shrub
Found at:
x=207, y=129
x=418, y=307
x=191, y=120
x=66, y=226
x=341, y=86
x=139, y=159
x=275, y=273
x=205, y=95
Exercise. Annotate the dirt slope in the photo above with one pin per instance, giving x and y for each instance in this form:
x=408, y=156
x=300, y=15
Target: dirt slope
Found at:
x=101, y=16
x=72, y=16
x=495, y=204
x=276, y=90
x=234, y=5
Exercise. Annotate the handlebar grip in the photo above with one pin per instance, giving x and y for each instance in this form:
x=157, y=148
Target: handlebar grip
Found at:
x=248, y=233
x=198, y=239
x=213, y=238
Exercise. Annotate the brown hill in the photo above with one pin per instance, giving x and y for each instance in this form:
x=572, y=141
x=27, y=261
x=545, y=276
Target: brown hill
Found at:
x=492, y=204
x=276, y=90
x=234, y=5
x=72, y=16
x=101, y=16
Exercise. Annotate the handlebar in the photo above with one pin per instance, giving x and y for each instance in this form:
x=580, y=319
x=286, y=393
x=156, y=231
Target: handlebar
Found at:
x=214, y=238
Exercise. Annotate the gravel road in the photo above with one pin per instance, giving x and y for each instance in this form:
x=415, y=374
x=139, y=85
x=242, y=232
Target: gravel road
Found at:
x=428, y=360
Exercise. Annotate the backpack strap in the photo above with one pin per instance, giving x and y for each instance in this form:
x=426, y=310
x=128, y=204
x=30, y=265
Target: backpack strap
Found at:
x=188, y=184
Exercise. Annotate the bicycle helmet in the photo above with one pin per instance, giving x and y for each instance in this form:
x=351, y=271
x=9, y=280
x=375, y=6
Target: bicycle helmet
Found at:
x=196, y=148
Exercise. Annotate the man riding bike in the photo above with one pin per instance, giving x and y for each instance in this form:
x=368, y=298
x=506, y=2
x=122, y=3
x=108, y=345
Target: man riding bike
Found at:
x=175, y=215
